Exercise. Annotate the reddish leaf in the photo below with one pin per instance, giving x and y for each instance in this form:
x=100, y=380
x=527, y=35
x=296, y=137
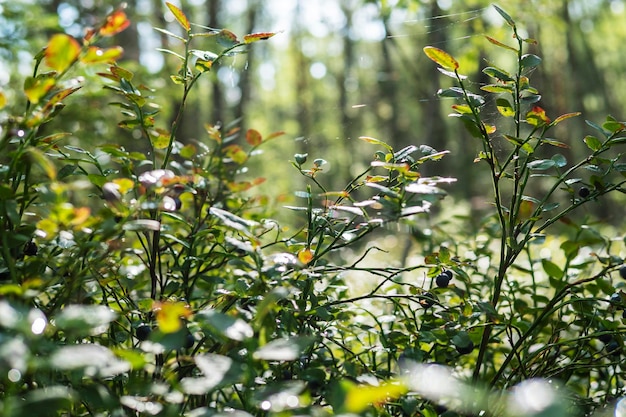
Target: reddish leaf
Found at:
x=116, y=22
x=564, y=116
x=537, y=117
x=261, y=36
x=227, y=39
x=274, y=135
x=179, y=15
x=253, y=137
x=61, y=52
x=441, y=57
x=500, y=44
x=58, y=97
x=96, y=55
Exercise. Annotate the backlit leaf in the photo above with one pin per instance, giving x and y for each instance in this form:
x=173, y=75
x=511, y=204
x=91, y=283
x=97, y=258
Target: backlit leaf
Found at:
x=505, y=108
x=36, y=88
x=227, y=39
x=254, y=37
x=441, y=57
x=537, y=117
x=592, y=142
x=551, y=268
x=253, y=137
x=96, y=55
x=169, y=315
x=61, y=52
x=505, y=16
x=115, y=23
x=360, y=397
x=287, y=349
x=236, y=153
x=375, y=141
x=179, y=15
x=306, y=255
x=224, y=325
x=564, y=117
x=500, y=44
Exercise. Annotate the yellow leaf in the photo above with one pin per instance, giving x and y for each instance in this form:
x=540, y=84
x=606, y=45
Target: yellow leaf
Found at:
x=305, y=256
x=169, y=315
x=3, y=100
x=36, y=88
x=441, y=57
x=179, y=15
x=97, y=55
x=61, y=52
x=359, y=397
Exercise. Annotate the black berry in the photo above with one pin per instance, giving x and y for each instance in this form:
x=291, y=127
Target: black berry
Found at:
x=584, y=192
x=449, y=273
x=30, y=248
x=427, y=300
x=613, y=347
x=143, y=332
x=189, y=341
x=442, y=280
x=622, y=272
x=605, y=338
x=464, y=350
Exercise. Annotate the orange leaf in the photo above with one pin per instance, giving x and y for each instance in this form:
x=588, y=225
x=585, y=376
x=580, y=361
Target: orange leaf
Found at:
x=253, y=137
x=116, y=22
x=261, y=36
x=61, y=52
x=537, y=117
x=179, y=15
x=305, y=256
x=96, y=55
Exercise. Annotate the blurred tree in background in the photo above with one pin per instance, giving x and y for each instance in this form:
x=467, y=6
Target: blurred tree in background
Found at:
x=342, y=69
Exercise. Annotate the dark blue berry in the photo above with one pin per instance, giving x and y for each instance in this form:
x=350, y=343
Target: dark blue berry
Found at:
x=143, y=332
x=442, y=280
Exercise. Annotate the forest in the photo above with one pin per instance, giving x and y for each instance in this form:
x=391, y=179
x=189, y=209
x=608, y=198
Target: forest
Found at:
x=312, y=208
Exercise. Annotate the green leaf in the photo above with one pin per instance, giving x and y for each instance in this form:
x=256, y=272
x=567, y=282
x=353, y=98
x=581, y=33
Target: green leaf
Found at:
x=530, y=61
x=85, y=319
x=216, y=370
x=551, y=269
x=94, y=360
x=541, y=164
x=223, y=325
x=286, y=349
x=592, y=143
x=498, y=88
x=227, y=39
x=559, y=160
x=613, y=125
x=441, y=57
x=505, y=16
x=498, y=74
